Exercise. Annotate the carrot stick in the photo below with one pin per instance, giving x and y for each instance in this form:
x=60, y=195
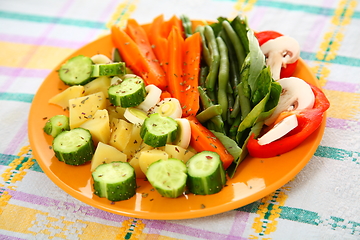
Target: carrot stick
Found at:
x=174, y=74
x=203, y=139
x=165, y=94
x=139, y=36
x=167, y=27
x=191, y=68
x=158, y=42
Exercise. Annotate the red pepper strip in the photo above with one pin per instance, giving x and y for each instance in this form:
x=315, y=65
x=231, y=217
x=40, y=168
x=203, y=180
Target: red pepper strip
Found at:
x=308, y=121
x=265, y=36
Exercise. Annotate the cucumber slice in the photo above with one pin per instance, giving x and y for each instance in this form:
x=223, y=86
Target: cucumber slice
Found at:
x=168, y=177
x=157, y=131
x=76, y=71
x=110, y=69
x=74, y=147
x=56, y=125
x=129, y=93
x=115, y=181
x=206, y=174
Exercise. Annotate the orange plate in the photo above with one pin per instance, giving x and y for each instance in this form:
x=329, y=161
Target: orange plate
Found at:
x=254, y=179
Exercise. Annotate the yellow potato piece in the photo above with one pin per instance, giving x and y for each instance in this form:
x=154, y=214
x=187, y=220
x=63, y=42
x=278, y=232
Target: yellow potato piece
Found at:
x=62, y=99
x=175, y=151
x=121, y=134
x=147, y=157
x=100, y=84
x=134, y=143
x=83, y=108
x=105, y=153
x=134, y=162
x=98, y=126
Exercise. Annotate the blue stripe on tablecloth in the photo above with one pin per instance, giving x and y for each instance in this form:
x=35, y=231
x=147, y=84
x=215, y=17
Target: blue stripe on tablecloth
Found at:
x=19, y=97
x=46, y=19
x=342, y=60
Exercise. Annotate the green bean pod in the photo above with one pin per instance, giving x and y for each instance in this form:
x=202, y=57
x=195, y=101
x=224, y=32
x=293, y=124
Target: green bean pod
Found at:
x=215, y=58
x=209, y=113
x=223, y=78
x=239, y=49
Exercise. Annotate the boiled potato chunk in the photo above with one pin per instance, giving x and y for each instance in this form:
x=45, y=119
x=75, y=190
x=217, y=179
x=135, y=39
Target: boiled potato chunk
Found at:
x=121, y=134
x=175, y=151
x=105, y=153
x=99, y=126
x=116, y=112
x=62, y=99
x=147, y=157
x=100, y=84
x=83, y=108
x=134, y=162
x=134, y=142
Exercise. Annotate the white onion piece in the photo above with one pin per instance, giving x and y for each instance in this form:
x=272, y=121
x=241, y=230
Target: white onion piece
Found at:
x=184, y=133
x=168, y=107
x=100, y=59
x=151, y=99
x=135, y=115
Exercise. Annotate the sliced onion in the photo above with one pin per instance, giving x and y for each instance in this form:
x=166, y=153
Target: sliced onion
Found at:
x=169, y=107
x=184, y=133
x=151, y=99
x=100, y=59
x=135, y=115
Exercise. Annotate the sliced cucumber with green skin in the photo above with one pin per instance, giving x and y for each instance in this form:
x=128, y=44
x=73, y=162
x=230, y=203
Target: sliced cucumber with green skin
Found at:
x=206, y=174
x=157, y=131
x=108, y=69
x=129, y=93
x=56, y=125
x=76, y=71
x=115, y=181
x=168, y=177
x=74, y=147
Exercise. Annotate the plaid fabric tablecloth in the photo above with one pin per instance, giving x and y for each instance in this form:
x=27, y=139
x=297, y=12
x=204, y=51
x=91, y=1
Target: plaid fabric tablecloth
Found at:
x=321, y=202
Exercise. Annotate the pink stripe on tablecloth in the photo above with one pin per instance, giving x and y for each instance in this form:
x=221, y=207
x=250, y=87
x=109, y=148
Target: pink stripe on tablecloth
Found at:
x=239, y=224
x=342, y=86
x=342, y=124
x=45, y=41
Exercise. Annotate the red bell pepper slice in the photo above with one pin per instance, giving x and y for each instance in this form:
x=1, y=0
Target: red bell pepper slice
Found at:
x=308, y=121
x=265, y=36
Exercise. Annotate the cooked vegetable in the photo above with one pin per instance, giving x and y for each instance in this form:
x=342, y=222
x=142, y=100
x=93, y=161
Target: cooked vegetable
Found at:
x=202, y=139
x=133, y=56
x=105, y=153
x=76, y=71
x=101, y=59
x=129, y=93
x=206, y=174
x=56, y=125
x=168, y=107
x=74, y=147
x=157, y=130
x=115, y=181
x=153, y=94
x=108, y=69
x=168, y=177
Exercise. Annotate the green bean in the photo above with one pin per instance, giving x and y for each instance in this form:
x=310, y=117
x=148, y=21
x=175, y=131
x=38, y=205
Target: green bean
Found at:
x=206, y=102
x=236, y=108
x=208, y=113
x=215, y=58
x=223, y=78
x=234, y=127
x=245, y=105
x=230, y=99
x=239, y=49
x=187, y=25
x=204, y=71
x=205, y=50
x=234, y=71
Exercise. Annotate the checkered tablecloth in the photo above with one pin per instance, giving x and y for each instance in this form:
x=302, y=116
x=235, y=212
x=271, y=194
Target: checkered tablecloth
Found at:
x=321, y=202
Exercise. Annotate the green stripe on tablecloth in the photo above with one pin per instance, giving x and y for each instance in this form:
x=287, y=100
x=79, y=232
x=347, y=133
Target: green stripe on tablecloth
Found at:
x=46, y=19
x=6, y=159
x=19, y=97
x=338, y=154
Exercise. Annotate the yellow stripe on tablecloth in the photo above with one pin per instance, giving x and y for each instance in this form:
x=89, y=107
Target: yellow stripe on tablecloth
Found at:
x=31, y=56
x=242, y=6
x=343, y=105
